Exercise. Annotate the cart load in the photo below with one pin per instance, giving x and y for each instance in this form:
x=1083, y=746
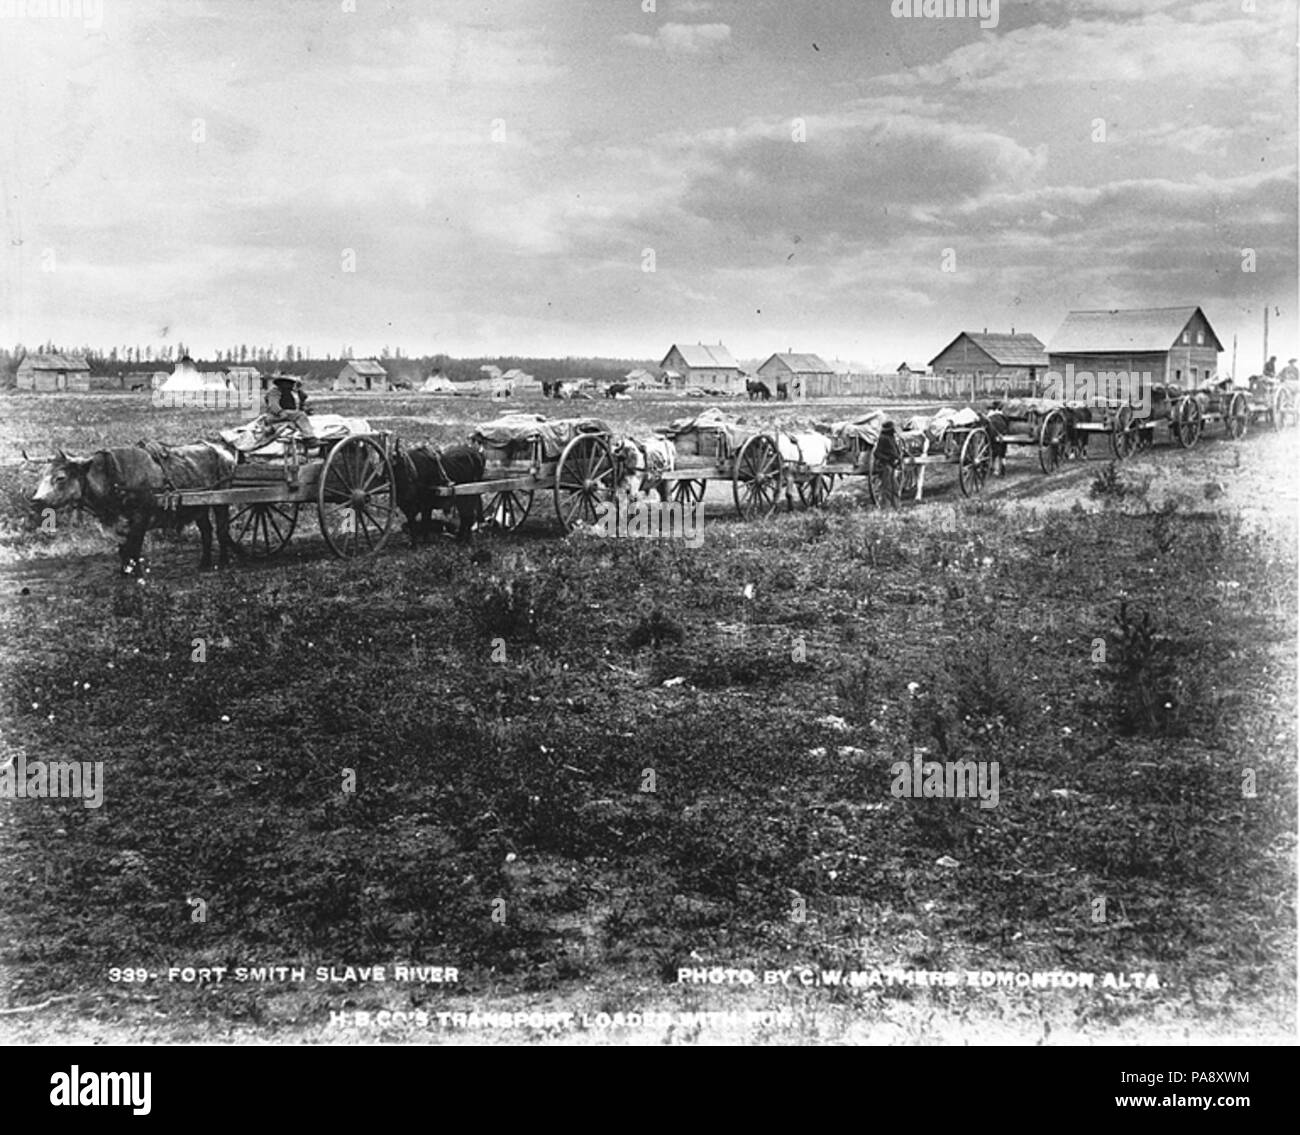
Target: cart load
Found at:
x=513, y=436
x=261, y=440
x=714, y=433
x=857, y=435
x=569, y=458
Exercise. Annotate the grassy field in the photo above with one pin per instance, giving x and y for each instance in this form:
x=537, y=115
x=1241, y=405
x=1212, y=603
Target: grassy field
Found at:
x=577, y=766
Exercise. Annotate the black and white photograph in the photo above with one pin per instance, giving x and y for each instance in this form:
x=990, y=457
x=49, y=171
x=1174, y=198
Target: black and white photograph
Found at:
x=650, y=522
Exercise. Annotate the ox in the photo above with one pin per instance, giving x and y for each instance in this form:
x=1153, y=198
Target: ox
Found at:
x=421, y=469
x=641, y=467
x=120, y=488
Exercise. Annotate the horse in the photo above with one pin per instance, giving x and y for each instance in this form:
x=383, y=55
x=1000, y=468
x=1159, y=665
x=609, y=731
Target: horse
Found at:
x=756, y=390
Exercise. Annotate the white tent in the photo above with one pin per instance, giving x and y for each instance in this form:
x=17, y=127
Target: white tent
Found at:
x=186, y=376
x=438, y=384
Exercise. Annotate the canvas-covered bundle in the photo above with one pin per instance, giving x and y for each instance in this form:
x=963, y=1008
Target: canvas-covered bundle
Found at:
x=707, y=433
x=512, y=435
x=260, y=439
x=865, y=431
x=937, y=426
x=1027, y=409
x=804, y=448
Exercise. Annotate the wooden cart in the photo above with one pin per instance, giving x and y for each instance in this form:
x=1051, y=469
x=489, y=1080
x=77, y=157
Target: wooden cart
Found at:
x=349, y=481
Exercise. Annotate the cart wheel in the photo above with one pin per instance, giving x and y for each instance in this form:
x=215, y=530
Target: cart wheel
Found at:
x=1284, y=408
x=1053, y=441
x=814, y=490
x=357, y=498
x=1238, y=417
x=584, y=479
x=885, y=484
x=262, y=530
x=757, y=477
x=1186, y=423
x=507, y=509
x=976, y=457
x=687, y=492
x=1123, y=437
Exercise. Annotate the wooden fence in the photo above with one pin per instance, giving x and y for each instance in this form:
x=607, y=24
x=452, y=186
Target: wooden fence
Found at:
x=939, y=388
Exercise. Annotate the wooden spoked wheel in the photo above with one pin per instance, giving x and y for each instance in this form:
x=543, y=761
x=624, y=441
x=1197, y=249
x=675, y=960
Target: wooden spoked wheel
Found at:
x=1053, y=441
x=687, y=492
x=1238, y=420
x=757, y=477
x=1187, y=421
x=262, y=530
x=357, y=498
x=814, y=489
x=507, y=509
x=1284, y=408
x=974, y=462
x=885, y=483
x=1123, y=435
x=584, y=480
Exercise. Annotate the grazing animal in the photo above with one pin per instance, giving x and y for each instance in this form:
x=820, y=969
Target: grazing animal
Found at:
x=399, y=386
x=419, y=470
x=756, y=389
x=121, y=487
x=614, y=389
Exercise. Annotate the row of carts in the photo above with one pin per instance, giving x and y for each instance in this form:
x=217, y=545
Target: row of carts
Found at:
x=580, y=464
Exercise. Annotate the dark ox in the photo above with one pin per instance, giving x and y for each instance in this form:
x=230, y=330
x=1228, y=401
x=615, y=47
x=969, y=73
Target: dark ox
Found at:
x=419, y=470
x=120, y=488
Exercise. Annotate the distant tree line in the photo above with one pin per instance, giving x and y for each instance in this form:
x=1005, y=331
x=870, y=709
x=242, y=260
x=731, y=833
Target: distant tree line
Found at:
x=118, y=361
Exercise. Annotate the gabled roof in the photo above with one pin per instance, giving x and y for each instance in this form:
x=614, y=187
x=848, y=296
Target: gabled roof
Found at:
x=1005, y=350
x=1144, y=329
x=704, y=356
x=803, y=364
x=366, y=366
x=57, y=362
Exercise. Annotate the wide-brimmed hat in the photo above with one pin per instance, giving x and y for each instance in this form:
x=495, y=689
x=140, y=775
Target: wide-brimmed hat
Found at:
x=291, y=378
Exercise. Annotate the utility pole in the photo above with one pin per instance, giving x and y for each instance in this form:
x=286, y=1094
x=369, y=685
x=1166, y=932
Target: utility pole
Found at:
x=1266, y=333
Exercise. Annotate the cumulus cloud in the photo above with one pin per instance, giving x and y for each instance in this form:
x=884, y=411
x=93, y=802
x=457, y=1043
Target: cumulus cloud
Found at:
x=682, y=39
x=1088, y=54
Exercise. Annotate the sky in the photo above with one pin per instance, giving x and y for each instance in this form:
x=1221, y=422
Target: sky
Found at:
x=608, y=177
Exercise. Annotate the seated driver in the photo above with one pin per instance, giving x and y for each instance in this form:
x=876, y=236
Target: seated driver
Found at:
x=286, y=401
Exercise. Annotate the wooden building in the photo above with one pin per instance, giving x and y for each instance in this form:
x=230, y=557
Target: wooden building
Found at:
x=53, y=373
x=700, y=365
x=992, y=361
x=362, y=376
x=803, y=376
x=1173, y=344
